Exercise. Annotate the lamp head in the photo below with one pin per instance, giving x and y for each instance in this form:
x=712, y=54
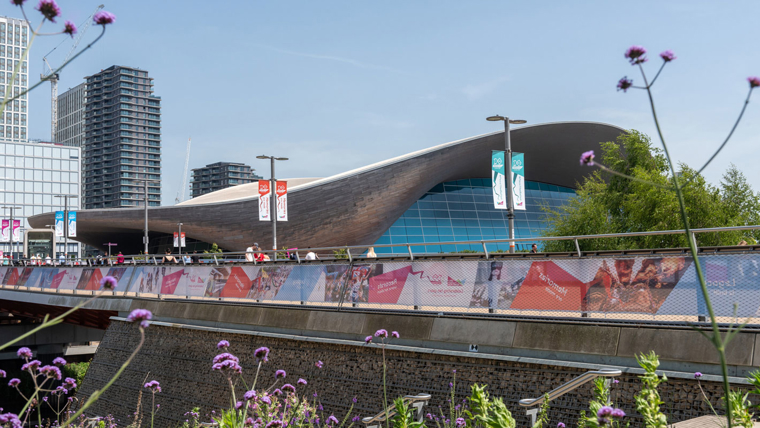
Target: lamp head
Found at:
x=496, y=118
x=262, y=157
x=281, y=159
x=517, y=121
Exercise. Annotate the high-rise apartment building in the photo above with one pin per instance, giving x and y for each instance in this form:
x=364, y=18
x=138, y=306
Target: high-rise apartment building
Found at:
x=70, y=127
x=122, y=146
x=14, y=36
x=220, y=175
x=31, y=176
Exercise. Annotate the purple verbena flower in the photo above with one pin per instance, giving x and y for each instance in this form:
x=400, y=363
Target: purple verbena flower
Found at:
x=277, y=391
x=239, y=404
x=31, y=365
x=249, y=395
x=265, y=399
x=618, y=414
x=561, y=425
x=141, y=315
x=368, y=339
x=228, y=365
x=354, y=400
x=451, y=385
x=624, y=83
x=332, y=420
x=49, y=9
x=636, y=55
x=3, y=374
x=279, y=374
x=249, y=422
x=70, y=383
x=381, y=333
x=667, y=55
x=288, y=388
x=14, y=382
x=587, y=158
x=460, y=423
x=262, y=354
x=24, y=352
x=395, y=335
x=319, y=364
x=18, y=2
x=301, y=382
x=104, y=18
x=356, y=419
x=274, y=424
x=153, y=386
x=60, y=362
x=429, y=416
x=604, y=411
x=615, y=381
x=223, y=344
x=108, y=282
x=754, y=81
x=224, y=357
x=51, y=372
x=697, y=375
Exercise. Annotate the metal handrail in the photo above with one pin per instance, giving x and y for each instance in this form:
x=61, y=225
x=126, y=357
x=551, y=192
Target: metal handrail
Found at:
x=417, y=401
x=214, y=257
x=569, y=386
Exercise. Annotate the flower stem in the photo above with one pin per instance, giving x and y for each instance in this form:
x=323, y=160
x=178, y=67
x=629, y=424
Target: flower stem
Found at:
x=385, y=392
x=716, y=338
x=152, y=407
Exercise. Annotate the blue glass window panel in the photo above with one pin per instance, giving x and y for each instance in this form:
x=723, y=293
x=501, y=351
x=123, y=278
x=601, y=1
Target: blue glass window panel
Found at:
x=412, y=222
x=445, y=230
x=430, y=231
x=445, y=238
x=438, y=197
x=455, y=206
x=424, y=206
x=414, y=231
x=419, y=249
x=441, y=214
x=428, y=222
x=458, y=222
x=426, y=213
x=448, y=248
x=412, y=213
x=433, y=249
x=398, y=239
x=383, y=240
x=384, y=250
x=415, y=239
x=399, y=222
x=397, y=231
x=461, y=238
x=443, y=222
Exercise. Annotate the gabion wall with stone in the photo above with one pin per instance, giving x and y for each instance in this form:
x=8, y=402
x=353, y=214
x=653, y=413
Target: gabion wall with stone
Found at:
x=180, y=359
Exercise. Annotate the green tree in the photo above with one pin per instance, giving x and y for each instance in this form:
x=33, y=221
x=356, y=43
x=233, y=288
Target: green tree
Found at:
x=607, y=203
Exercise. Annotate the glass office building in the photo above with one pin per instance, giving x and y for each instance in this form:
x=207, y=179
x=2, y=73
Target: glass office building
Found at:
x=30, y=177
x=463, y=210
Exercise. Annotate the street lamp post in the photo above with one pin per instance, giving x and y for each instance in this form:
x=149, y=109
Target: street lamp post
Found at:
x=65, y=223
x=179, y=239
x=110, y=244
x=273, y=200
x=508, y=161
x=145, y=182
x=11, y=226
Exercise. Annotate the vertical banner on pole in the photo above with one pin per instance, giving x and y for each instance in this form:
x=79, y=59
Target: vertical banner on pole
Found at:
x=518, y=181
x=72, y=224
x=282, y=201
x=176, y=239
x=16, y=230
x=265, y=194
x=182, y=240
x=6, y=230
x=59, y=224
x=497, y=180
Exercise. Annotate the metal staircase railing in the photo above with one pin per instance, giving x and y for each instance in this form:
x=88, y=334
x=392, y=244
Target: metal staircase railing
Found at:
x=565, y=388
x=417, y=402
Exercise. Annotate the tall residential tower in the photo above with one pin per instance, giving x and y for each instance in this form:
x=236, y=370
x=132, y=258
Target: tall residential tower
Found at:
x=122, y=146
x=220, y=175
x=70, y=127
x=14, y=36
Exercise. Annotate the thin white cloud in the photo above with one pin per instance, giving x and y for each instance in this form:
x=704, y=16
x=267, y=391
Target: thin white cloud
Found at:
x=349, y=61
x=477, y=91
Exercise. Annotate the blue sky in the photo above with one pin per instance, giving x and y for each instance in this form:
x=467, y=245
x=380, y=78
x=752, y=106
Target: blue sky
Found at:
x=335, y=85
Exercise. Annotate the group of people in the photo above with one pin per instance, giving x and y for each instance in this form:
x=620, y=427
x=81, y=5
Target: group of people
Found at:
x=255, y=253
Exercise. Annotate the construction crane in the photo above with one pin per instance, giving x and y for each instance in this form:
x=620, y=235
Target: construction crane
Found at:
x=181, y=192
x=52, y=77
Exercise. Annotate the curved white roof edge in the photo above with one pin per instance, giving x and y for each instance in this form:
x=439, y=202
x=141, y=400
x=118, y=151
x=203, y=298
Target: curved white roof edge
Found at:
x=376, y=165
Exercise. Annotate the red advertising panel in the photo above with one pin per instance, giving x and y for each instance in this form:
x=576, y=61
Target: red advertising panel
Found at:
x=238, y=284
x=57, y=280
x=549, y=287
x=170, y=281
x=386, y=288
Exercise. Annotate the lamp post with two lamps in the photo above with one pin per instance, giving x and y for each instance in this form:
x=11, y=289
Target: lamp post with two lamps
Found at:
x=273, y=200
x=507, y=142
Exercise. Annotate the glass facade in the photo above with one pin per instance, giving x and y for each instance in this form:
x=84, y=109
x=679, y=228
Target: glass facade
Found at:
x=30, y=177
x=14, y=35
x=463, y=210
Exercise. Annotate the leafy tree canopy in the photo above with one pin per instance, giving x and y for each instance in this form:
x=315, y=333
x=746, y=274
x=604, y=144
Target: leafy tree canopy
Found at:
x=606, y=203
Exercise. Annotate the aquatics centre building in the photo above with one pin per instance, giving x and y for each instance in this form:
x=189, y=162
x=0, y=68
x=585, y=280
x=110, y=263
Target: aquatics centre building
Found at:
x=439, y=194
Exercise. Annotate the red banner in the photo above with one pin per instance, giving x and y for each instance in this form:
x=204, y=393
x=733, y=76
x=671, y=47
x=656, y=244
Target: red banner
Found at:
x=549, y=287
x=386, y=288
x=169, y=283
x=238, y=284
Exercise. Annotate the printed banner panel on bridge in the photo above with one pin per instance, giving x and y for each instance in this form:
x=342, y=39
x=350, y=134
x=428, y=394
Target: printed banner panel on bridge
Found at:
x=634, y=285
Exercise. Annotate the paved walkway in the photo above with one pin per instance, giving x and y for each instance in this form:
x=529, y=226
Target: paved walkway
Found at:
x=708, y=421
